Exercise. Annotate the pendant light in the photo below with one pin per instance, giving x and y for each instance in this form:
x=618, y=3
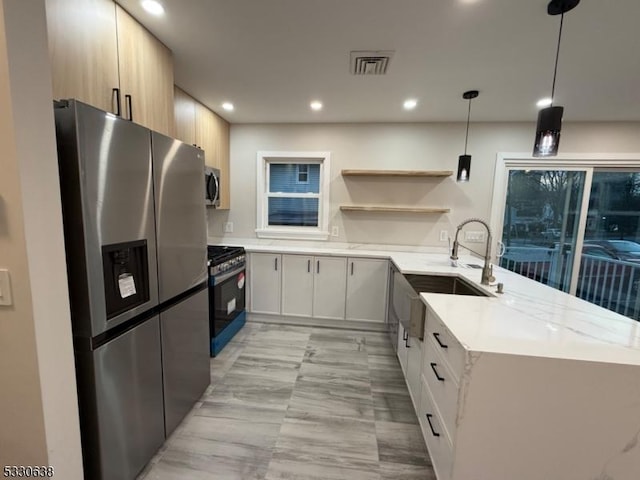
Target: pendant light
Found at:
x=464, y=161
x=550, y=118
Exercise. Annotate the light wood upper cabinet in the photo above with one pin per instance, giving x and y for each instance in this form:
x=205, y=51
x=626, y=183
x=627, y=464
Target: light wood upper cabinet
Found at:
x=222, y=154
x=185, y=116
x=96, y=46
x=206, y=134
x=146, y=76
x=83, y=50
x=212, y=135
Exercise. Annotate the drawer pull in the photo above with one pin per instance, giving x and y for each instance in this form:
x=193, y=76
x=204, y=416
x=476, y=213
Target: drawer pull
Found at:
x=433, y=367
x=437, y=337
x=435, y=434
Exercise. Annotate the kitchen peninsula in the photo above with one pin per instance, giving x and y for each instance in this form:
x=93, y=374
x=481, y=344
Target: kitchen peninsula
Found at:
x=530, y=384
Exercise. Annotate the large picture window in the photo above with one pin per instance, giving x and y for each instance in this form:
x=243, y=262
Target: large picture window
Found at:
x=293, y=195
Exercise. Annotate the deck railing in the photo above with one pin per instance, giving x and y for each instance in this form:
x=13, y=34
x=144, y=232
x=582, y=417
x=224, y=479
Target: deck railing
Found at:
x=610, y=283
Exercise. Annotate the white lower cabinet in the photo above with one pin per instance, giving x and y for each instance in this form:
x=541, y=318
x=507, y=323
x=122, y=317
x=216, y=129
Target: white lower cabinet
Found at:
x=265, y=275
x=297, y=285
x=438, y=442
x=318, y=286
x=367, y=286
x=410, y=357
x=403, y=351
x=414, y=369
x=330, y=283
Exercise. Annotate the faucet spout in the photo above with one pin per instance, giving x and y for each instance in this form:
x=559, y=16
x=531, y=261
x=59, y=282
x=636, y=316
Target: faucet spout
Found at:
x=487, y=269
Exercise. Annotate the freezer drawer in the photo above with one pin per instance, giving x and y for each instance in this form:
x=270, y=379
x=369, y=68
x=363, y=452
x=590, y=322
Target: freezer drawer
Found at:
x=185, y=356
x=120, y=392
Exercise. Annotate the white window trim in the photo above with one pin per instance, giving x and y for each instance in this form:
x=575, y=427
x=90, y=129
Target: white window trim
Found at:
x=263, y=230
x=566, y=161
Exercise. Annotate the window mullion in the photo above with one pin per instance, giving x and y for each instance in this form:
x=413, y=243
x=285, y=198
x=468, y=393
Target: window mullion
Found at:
x=582, y=226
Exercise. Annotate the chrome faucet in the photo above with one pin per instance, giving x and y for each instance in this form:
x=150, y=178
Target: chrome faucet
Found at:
x=487, y=269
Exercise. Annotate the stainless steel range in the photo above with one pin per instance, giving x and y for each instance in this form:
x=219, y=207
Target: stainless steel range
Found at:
x=226, y=294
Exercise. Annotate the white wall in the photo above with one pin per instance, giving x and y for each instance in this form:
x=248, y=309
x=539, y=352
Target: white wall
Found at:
x=400, y=146
x=38, y=404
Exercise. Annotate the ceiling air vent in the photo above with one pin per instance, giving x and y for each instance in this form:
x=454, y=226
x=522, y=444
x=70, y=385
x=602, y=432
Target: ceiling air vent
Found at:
x=370, y=62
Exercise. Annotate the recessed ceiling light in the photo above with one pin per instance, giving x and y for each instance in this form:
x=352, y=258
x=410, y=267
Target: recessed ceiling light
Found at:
x=410, y=104
x=544, y=102
x=228, y=106
x=316, y=105
x=153, y=7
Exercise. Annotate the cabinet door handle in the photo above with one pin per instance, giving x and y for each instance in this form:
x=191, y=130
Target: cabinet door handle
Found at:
x=318, y=267
x=435, y=434
x=433, y=367
x=116, y=93
x=405, y=335
x=406, y=342
x=127, y=99
x=351, y=268
x=309, y=266
x=276, y=263
x=437, y=337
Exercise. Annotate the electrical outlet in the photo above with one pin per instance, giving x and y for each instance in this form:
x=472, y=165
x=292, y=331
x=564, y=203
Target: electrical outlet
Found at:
x=444, y=235
x=474, y=236
x=228, y=227
x=335, y=231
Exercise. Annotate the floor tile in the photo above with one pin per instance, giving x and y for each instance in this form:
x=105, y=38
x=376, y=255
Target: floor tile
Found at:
x=225, y=433
x=323, y=435
x=384, y=362
x=401, y=443
x=176, y=465
x=287, y=465
x=388, y=381
x=323, y=355
x=394, y=407
x=248, y=364
x=337, y=340
x=241, y=413
x=287, y=353
x=397, y=471
x=250, y=390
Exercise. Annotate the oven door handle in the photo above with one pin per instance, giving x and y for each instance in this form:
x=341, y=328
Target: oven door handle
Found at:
x=218, y=279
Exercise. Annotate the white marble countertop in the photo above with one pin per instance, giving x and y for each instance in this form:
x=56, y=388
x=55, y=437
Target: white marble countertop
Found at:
x=528, y=319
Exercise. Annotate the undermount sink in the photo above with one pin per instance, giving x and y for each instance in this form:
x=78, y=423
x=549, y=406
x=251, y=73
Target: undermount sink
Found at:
x=444, y=284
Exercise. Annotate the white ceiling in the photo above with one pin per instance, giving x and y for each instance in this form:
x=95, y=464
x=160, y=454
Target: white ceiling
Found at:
x=271, y=58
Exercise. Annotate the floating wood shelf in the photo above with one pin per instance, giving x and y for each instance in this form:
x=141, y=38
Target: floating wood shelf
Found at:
x=378, y=208
x=397, y=173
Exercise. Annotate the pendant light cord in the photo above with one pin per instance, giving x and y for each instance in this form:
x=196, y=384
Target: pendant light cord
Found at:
x=466, y=138
x=555, y=69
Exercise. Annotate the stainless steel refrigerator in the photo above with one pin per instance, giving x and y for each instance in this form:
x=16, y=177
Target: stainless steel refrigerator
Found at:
x=134, y=222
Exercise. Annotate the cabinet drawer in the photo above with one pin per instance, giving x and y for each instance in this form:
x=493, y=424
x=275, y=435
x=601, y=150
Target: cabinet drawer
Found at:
x=442, y=385
x=438, y=442
x=446, y=344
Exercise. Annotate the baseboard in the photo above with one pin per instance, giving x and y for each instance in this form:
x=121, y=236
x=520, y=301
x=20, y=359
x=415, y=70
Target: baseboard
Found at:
x=317, y=322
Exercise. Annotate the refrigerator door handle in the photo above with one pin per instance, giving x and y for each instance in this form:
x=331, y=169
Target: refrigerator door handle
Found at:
x=115, y=92
x=127, y=98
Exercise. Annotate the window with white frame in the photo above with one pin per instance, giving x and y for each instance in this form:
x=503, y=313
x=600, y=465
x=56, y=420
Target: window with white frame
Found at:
x=293, y=195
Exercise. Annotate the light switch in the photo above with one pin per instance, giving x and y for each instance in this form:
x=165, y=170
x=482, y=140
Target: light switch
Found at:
x=5, y=288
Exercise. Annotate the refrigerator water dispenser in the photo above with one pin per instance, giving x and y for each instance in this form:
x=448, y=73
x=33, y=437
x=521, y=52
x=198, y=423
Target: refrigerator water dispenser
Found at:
x=126, y=276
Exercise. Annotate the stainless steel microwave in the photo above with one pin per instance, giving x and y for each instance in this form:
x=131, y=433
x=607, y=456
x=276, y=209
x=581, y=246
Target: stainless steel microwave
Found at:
x=212, y=186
